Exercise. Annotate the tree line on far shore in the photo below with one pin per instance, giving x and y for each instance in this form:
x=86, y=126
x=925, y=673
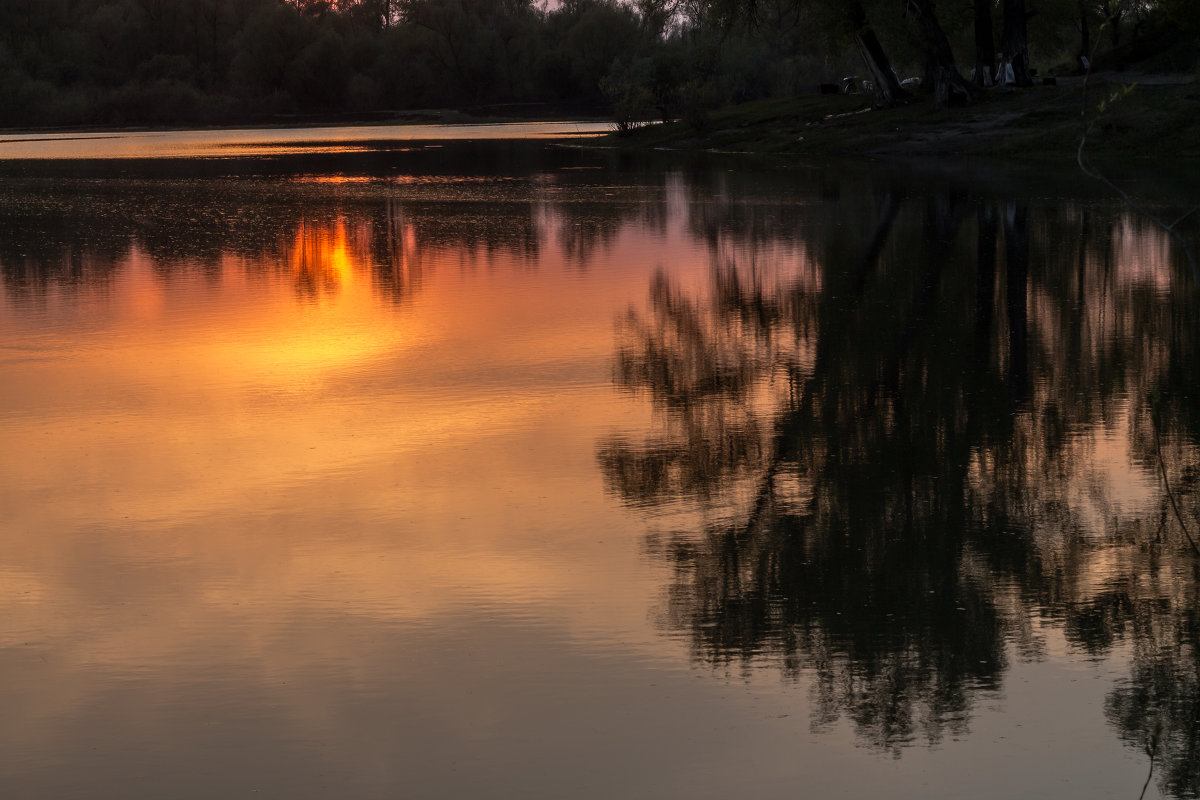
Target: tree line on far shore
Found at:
x=129, y=62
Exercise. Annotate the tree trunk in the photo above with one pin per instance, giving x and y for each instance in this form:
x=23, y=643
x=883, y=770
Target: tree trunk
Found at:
x=1114, y=12
x=941, y=75
x=985, y=44
x=1085, y=34
x=887, y=87
x=1015, y=44
x=985, y=283
x=1016, y=249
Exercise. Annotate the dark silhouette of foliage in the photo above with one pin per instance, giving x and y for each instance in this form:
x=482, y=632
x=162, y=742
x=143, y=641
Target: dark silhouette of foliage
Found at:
x=120, y=62
x=883, y=454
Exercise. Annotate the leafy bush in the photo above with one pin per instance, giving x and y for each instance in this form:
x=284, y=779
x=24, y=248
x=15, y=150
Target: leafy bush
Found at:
x=628, y=87
x=697, y=99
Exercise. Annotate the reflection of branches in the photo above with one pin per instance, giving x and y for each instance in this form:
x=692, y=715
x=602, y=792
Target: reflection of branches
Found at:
x=937, y=469
x=1156, y=710
x=842, y=561
x=687, y=353
x=586, y=228
x=1152, y=752
x=46, y=240
x=1171, y=228
x=1167, y=483
x=1081, y=158
x=710, y=366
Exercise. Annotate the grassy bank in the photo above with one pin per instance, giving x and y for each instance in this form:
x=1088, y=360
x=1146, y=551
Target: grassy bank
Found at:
x=1159, y=119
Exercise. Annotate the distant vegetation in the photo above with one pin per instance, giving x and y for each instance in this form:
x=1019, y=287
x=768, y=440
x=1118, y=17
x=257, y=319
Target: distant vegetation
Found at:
x=156, y=62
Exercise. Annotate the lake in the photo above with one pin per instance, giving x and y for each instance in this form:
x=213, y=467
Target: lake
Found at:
x=435, y=465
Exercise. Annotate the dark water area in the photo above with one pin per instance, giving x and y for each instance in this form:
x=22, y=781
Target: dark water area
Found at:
x=518, y=469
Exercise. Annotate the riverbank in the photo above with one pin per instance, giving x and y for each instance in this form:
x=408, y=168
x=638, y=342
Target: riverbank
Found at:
x=1158, y=119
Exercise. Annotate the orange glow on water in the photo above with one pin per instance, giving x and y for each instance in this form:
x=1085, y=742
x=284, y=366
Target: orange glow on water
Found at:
x=319, y=259
x=417, y=479
x=293, y=369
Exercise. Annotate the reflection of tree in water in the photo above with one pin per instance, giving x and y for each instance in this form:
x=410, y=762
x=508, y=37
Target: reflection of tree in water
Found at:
x=708, y=376
x=846, y=558
x=81, y=237
x=1164, y=688
x=1157, y=604
x=78, y=233
x=883, y=471
x=45, y=240
x=587, y=227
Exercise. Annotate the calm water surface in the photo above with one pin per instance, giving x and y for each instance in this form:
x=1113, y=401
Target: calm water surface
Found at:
x=505, y=469
x=276, y=141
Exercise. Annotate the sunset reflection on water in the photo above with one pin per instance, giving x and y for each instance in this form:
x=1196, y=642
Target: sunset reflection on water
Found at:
x=618, y=481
